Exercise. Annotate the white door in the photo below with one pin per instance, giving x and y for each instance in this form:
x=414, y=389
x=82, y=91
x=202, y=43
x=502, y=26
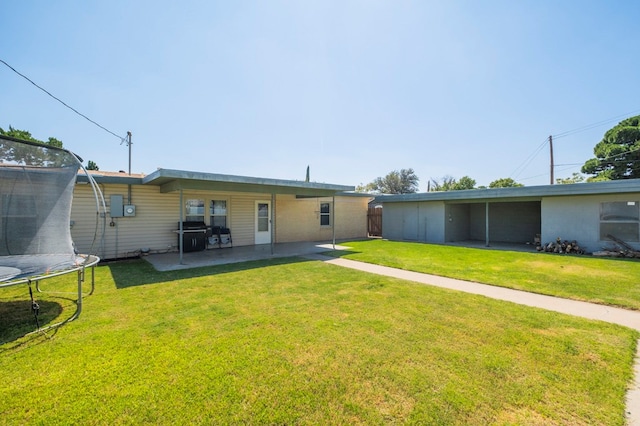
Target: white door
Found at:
x=263, y=222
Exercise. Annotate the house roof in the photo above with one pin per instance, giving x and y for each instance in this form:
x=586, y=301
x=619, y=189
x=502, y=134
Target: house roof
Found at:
x=520, y=193
x=173, y=180
x=111, y=177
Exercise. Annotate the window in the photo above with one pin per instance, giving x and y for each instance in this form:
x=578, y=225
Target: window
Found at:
x=325, y=214
x=620, y=219
x=218, y=213
x=194, y=211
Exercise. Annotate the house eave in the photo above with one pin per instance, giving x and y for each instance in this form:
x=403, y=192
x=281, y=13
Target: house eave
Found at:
x=111, y=179
x=173, y=180
x=520, y=193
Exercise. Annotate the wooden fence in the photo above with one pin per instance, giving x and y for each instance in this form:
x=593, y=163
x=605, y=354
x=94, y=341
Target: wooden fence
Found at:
x=374, y=222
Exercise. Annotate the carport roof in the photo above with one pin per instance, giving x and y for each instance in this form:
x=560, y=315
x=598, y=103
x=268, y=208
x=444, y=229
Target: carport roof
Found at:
x=525, y=192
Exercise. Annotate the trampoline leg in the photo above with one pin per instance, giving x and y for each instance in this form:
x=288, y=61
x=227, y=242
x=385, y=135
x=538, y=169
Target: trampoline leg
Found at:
x=76, y=314
x=93, y=279
x=79, y=301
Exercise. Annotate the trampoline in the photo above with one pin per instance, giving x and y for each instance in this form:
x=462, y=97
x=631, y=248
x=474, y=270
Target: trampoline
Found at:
x=36, y=193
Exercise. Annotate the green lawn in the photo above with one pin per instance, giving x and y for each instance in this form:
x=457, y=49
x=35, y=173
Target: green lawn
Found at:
x=606, y=281
x=302, y=342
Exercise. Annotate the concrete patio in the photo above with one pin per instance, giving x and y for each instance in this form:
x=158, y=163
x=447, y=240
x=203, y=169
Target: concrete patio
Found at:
x=221, y=256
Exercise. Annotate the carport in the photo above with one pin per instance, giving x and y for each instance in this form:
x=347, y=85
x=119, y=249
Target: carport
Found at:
x=493, y=222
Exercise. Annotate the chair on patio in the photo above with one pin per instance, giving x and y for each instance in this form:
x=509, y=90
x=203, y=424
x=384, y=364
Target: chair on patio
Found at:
x=220, y=237
x=225, y=238
x=213, y=237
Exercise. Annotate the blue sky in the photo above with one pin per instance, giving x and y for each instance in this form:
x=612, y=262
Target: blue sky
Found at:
x=354, y=89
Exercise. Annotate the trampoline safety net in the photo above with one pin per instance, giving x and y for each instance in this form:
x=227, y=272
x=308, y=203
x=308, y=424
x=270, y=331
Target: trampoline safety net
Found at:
x=36, y=192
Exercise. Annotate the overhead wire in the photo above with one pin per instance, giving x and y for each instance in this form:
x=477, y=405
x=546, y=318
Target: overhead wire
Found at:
x=529, y=159
x=122, y=139
x=571, y=165
x=593, y=125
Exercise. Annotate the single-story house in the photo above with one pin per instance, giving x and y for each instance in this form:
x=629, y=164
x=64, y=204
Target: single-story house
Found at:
x=149, y=213
x=585, y=212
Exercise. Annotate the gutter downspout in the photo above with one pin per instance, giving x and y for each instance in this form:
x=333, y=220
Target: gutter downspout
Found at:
x=129, y=145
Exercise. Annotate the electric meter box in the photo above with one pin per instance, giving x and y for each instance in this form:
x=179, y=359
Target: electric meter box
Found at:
x=129, y=210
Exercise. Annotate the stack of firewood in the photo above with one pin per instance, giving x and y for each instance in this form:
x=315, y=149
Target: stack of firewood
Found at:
x=560, y=246
x=622, y=250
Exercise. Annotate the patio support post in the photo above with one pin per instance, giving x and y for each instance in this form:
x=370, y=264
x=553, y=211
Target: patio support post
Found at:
x=486, y=223
x=273, y=221
x=333, y=220
x=180, y=230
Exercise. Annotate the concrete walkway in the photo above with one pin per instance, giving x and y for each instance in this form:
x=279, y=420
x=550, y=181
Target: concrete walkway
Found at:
x=593, y=311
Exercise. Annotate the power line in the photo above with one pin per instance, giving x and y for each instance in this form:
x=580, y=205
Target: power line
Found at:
x=529, y=159
x=546, y=174
x=593, y=125
x=122, y=139
x=570, y=166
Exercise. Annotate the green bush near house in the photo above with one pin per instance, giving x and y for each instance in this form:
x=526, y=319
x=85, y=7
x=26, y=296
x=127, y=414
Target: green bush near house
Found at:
x=293, y=341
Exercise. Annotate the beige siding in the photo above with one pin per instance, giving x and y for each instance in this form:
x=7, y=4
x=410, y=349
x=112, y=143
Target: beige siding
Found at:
x=298, y=219
x=242, y=229
x=157, y=216
x=152, y=227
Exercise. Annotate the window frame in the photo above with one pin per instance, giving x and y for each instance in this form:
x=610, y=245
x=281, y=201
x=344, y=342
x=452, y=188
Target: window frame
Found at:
x=325, y=215
x=213, y=215
x=194, y=210
x=609, y=220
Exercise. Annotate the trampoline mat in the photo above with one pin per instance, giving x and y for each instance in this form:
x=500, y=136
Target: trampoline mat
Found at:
x=13, y=267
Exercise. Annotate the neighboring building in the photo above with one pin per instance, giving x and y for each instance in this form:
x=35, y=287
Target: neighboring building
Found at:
x=144, y=212
x=585, y=212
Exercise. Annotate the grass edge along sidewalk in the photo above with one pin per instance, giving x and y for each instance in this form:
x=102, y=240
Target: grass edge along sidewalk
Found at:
x=604, y=281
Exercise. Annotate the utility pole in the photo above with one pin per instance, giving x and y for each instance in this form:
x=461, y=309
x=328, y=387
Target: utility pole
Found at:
x=551, y=163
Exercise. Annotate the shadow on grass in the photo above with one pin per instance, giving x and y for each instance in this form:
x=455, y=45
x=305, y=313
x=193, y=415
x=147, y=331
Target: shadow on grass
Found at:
x=340, y=253
x=132, y=273
x=17, y=318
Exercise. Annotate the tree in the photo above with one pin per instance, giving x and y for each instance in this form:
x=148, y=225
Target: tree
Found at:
x=465, y=182
x=27, y=154
x=24, y=154
x=575, y=178
x=404, y=181
x=505, y=183
x=448, y=183
x=617, y=154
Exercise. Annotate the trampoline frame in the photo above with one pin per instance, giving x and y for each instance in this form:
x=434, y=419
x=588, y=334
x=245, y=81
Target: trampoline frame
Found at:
x=90, y=260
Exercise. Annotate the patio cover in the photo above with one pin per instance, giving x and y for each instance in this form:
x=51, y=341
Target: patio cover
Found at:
x=179, y=180
x=175, y=180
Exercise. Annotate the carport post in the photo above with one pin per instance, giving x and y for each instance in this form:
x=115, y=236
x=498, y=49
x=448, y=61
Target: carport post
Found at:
x=486, y=223
x=180, y=230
